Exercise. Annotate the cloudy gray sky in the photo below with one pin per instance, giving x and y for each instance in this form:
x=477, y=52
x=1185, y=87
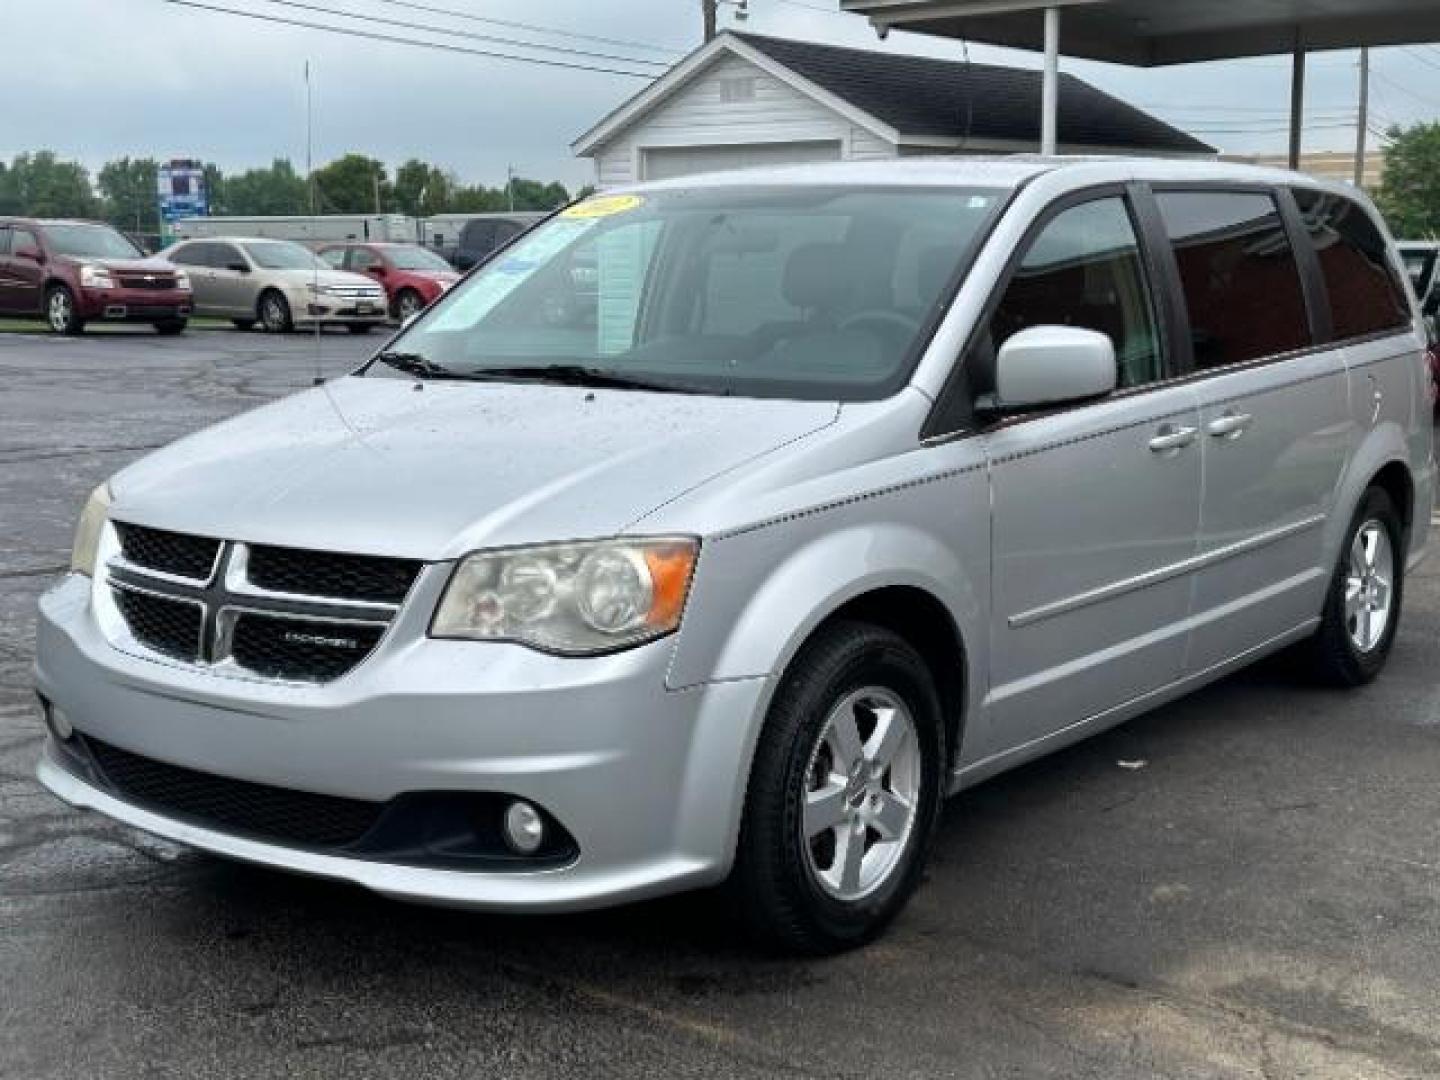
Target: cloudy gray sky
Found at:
x=106, y=78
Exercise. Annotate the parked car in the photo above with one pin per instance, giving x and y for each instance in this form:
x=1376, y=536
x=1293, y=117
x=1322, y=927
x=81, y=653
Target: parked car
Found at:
x=74, y=272
x=278, y=283
x=1421, y=258
x=824, y=493
x=412, y=276
x=485, y=234
x=1432, y=356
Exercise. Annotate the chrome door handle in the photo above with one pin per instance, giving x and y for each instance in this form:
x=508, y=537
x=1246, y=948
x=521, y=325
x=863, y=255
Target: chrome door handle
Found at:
x=1230, y=426
x=1171, y=438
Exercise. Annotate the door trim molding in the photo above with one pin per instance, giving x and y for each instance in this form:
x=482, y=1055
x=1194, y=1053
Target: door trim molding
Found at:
x=1162, y=574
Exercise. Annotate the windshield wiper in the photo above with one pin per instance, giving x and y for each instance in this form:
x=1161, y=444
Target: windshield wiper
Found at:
x=581, y=375
x=414, y=364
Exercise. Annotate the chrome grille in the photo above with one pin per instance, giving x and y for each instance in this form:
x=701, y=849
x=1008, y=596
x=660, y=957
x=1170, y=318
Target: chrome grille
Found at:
x=156, y=282
x=284, y=614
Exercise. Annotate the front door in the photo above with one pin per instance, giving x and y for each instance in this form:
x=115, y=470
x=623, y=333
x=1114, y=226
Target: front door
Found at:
x=230, y=288
x=1095, y=507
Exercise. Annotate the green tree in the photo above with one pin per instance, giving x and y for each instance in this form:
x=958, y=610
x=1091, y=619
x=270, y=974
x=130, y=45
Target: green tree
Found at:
x=1410, y=193
x=44, y=186
x=9, y=193
x=276, y=190
x=421, y=190
x=215, y=189
x=353, y=184
x=534, y=195
x=131, y=201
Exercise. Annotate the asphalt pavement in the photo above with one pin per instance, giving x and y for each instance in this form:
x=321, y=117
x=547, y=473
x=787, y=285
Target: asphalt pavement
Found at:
x=1243, y=884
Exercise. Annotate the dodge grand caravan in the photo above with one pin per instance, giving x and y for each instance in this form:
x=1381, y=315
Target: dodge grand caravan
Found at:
x=822, y=494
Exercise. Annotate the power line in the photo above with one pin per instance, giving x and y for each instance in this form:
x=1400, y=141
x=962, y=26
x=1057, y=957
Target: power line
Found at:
x=470, y=35
x=1427, y=102
x=532, y=27
x=370, y=35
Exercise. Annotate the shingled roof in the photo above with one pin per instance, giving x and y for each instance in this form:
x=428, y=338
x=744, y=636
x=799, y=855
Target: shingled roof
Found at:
x=923, y=97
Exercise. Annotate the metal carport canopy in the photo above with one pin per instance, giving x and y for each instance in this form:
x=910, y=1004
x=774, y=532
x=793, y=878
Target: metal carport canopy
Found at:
x=1150, y=33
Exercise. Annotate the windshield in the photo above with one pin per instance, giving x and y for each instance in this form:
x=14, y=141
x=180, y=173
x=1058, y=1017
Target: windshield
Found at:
x=282, y=255
x=820, y=293
x=90, y=241
x=417, y=258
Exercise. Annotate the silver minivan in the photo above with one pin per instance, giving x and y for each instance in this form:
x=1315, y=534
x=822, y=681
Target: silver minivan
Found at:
x=717, y=529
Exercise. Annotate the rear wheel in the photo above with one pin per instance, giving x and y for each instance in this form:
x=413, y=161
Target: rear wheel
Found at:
x=1362, y=609
x=843, y=794
x=171, y=327
x=61, y=313
x=275, y=313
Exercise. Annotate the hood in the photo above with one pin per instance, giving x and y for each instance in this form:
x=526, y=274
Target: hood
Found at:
x=300, y=278
x=374, y=465
x=151, y=265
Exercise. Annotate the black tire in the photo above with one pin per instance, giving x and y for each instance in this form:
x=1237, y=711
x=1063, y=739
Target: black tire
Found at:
x=1335, y=656
x=360, y=327
x=244, y=324
x=61, y=314
x=408, y=303
x=274, y=312
x=171, y=327
x=774, y=883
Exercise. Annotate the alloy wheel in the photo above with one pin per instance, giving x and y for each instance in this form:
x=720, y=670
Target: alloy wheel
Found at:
x=862, y=794
x=60, y=311
x=1369, y=586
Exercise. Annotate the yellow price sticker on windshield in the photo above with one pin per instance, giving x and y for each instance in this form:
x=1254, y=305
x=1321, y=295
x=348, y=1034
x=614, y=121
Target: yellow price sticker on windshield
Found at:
x=604, y=206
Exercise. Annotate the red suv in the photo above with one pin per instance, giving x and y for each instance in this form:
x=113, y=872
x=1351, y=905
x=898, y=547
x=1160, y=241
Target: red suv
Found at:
x=413, y=276
x=73, y=272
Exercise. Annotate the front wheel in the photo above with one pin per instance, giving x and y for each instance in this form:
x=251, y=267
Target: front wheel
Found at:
x=60, y=311
x=844, y=793
x=1362, y=608
x=275, y=313
x=409, y=304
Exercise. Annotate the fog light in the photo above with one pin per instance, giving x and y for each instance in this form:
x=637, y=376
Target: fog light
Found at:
x=524, y=828
x=60, y=725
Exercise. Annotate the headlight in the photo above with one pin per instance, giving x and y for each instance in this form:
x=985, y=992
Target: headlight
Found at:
x=96, y=277
x=571, y=599
x=87, y=532
x=182, y=280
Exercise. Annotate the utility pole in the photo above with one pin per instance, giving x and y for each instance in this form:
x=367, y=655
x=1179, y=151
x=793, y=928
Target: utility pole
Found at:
x=1362, y=126
x=510, y=186
x=711, y=10
x=375, y=181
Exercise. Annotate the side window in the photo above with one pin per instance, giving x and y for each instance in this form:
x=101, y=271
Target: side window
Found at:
x=4, y=239
x=1366, y=294
x=1084, y=270
x=189, y=255
x=1239, y=275
x=363, y=259
x=334, y=256
x=505, y=231
x=224, y=256
x=23, y=238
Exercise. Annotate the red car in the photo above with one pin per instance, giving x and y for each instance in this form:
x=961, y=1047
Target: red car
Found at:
x=412, y=275
x=74, y=272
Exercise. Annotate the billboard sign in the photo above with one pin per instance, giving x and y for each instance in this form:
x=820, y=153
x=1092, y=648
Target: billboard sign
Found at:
x=181, y=192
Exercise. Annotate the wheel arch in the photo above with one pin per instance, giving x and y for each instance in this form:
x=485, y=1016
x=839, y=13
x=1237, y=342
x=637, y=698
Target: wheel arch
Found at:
x=1380, y=461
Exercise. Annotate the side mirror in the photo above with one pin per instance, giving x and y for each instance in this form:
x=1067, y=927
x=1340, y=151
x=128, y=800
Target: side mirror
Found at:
x=1052, y=365
x=31, y=253
x=238, y=267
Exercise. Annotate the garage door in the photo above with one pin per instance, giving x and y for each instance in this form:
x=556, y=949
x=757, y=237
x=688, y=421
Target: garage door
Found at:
x=661, y=163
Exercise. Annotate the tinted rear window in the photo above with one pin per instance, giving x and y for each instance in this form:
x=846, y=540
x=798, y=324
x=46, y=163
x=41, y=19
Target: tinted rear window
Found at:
x=1239, y=275
x=1366, y=293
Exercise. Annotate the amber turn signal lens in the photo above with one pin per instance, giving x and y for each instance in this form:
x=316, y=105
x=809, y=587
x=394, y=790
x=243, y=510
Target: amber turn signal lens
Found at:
x=671, y=567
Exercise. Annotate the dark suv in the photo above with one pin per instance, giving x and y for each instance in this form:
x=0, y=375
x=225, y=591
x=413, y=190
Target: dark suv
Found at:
x=74, y=272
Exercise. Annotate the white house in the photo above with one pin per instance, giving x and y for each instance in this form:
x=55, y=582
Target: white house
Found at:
x=744, y=99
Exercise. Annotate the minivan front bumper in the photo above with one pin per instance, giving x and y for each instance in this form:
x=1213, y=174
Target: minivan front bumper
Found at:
x=649, y=781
